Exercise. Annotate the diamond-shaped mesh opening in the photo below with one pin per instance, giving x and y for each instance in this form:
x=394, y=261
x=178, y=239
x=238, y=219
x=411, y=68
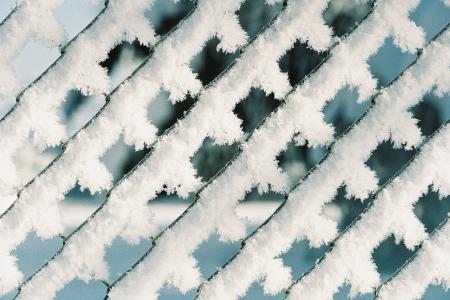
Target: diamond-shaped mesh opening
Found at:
x=432, y=112
x=342, y=15
x=75, y=15
x=35, y=252
x=299, y=61
x=297, y=160
x=165, y=15
x=77, y=206
x=389, y=256
x=253, y=109
x=163, y=113
x=120, y=158
x=432, y=16
x=73, y=100
x=78, y=109
x=120, y=256
x=344, y=110
x=211, y=61
x=32, y=59
x=343, y=211
x=389, y=62
x=431, y=210
x=123, y=54
x=301, y=257
x=386, y=161
x=213, y=254
x=211, y=157
x=255, y=14
x=133, y=159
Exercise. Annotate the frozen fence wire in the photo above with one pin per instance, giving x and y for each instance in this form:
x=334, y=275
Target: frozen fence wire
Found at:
x=215, y=207
x=300, y=116
x=300, y=216
x=428, y=266
x=377, y=223
x=170, y=146
x=28, y=19
x=36, y=110
x=125, y=111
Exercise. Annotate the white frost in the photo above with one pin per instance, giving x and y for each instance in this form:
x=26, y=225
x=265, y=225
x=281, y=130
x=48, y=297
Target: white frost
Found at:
x=351, y=254
x=256, y=166
x=36, y=208
x=30, y=19
x=38, y=109
x=301, y=216
x=169, y=165
x=430, y=265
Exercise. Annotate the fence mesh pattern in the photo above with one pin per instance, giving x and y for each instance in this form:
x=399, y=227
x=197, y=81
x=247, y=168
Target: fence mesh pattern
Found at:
x=281, y=135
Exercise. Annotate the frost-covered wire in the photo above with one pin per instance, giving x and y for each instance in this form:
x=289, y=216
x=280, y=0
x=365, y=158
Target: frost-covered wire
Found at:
x=169, y=163
x=300, y=216
x=124, y=112
x=351, y=253
x=428, y=266
x=37, y=107
x=171, y=258
x=29, y=19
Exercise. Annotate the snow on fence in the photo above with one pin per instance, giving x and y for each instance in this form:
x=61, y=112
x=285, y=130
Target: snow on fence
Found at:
x=36, y=109
x=300, y=216
x=300, y=117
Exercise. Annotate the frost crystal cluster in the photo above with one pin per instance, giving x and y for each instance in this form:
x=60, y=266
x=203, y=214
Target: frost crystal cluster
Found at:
x=35, y=206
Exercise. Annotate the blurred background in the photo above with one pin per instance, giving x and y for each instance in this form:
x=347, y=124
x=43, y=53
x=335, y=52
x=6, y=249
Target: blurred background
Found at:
x=341, y=15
